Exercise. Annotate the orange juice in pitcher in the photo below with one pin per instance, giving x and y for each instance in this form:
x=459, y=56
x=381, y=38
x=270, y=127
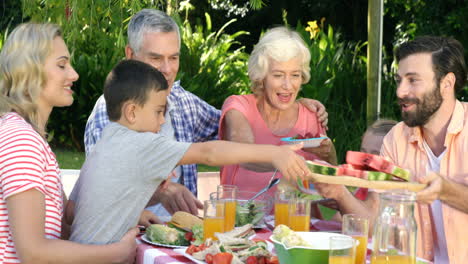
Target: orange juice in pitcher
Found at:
x=393, y=260
x=229, y=215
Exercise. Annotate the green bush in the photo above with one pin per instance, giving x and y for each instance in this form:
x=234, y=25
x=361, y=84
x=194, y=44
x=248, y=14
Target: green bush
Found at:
x=209, y=65
x=95, y=32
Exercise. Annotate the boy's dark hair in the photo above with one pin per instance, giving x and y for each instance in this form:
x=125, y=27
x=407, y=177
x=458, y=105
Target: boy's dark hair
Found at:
x=447, y=56
x=130, y=80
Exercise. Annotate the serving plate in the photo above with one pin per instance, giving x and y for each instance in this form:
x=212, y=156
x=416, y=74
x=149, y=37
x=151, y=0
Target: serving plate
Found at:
x=357, y=182
x=308, y=142
x=147, y=240
x=182, y=252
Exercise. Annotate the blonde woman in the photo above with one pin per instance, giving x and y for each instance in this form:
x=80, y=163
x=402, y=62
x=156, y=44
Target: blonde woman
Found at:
x=35, y=77
x=278, y=66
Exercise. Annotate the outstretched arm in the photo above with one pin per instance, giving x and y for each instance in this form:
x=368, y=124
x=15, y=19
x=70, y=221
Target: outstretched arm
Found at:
x=217, y=153
x=236, y=128
x=348, y=203
x=27, y=220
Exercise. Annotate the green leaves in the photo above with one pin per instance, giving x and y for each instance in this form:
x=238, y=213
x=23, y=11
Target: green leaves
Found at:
x=209, y=65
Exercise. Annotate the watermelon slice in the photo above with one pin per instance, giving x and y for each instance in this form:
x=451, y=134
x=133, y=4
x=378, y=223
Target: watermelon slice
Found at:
x=322, y=168
x=350, y=170
x=377, y=163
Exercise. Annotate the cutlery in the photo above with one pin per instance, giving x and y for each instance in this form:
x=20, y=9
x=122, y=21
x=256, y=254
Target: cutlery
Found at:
x=273, y=183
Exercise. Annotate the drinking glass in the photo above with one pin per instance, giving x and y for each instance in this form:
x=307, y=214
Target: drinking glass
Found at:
x=282, y=198
x=228, y=193
x=299, y=214
x=358, y=228
x=342, y=250
x=213, y=218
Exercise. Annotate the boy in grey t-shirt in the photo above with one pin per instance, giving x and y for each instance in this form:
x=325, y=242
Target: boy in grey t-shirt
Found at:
x=131, y=160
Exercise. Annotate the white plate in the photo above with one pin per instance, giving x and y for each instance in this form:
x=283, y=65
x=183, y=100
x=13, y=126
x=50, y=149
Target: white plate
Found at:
x=308, y=142
x=182, y=252
x=147, y=240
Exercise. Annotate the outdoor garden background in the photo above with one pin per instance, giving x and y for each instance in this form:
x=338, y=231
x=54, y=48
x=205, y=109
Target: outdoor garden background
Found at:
x=217, y=37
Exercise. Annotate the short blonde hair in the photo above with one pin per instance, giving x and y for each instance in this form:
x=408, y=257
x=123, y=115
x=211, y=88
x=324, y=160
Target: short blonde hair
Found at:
x=22, y=75
x=280, y=44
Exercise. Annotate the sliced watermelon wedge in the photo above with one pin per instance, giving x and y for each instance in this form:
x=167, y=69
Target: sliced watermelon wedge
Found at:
x=378, y=163
x=322, y=168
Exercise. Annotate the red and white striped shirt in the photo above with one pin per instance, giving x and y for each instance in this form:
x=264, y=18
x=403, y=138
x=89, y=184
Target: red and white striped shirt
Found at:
x=26, y=162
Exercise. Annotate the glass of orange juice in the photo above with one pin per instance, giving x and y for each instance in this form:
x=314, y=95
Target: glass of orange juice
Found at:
x=213, y=218
x=299, y=214
x=342, y=250
x=358, y=228
x=282, y=198
x=228, y=193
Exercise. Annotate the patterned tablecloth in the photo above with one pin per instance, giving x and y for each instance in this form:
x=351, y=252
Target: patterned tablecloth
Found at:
x=149, y=254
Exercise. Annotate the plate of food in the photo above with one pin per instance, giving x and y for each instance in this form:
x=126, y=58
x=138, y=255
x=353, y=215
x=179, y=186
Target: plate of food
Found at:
x=309, y=140
x=146, y=239
x=235, y=246
x=180, y=231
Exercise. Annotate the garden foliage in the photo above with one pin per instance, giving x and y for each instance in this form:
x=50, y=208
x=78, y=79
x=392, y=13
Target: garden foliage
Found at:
x=213, y=52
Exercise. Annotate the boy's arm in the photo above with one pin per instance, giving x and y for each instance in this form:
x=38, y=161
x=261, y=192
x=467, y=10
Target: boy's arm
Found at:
x=217, y=153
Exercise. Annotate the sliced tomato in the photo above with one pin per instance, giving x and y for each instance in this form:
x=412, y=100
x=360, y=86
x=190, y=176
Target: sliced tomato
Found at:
x=209, y=258
x=258, y=240
x=191, y=249
x=222, y=258
x=202, y=247
x=251, y=260
x=188, y=236
x=273, y=260
x=261, y=260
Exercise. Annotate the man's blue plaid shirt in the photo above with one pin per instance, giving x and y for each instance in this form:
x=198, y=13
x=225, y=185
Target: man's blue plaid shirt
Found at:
x=193, y=120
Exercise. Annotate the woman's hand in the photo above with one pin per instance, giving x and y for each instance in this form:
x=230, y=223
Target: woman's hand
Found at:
x=326, y=151
x=316, y=107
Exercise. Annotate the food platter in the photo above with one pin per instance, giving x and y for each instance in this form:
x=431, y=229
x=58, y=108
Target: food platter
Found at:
x=182, y=252
x=148, y=241
x=357, y=182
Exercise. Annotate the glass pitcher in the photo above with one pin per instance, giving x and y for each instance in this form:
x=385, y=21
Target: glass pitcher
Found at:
x=394, y=237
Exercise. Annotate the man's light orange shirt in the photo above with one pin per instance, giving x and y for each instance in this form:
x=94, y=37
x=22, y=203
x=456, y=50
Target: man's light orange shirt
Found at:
x=404, y=146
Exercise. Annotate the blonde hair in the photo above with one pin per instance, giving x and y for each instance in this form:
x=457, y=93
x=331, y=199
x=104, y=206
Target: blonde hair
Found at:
x=280, y=44
x=22, y=74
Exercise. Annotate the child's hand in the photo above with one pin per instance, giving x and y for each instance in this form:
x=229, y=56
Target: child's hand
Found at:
x=289, y=163
x=147, y=218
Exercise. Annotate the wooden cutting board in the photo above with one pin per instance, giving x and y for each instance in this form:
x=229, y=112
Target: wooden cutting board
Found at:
x=357, y=182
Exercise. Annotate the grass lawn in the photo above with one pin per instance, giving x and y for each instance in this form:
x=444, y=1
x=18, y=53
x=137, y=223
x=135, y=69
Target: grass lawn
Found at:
x=70, y=159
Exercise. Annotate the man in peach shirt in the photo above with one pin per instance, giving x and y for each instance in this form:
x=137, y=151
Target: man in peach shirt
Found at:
x=431, y=142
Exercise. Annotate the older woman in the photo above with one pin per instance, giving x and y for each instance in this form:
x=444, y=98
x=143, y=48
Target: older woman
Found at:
x=278, y=66
x=35, y=77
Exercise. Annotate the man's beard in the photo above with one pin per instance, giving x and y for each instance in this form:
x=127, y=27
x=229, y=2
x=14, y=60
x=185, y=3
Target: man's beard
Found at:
x=424, y=110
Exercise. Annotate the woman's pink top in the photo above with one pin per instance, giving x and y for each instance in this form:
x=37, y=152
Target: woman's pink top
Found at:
x=248, y=180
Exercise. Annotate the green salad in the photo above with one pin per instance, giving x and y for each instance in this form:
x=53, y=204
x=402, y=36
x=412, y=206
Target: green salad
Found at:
x=250, y=213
